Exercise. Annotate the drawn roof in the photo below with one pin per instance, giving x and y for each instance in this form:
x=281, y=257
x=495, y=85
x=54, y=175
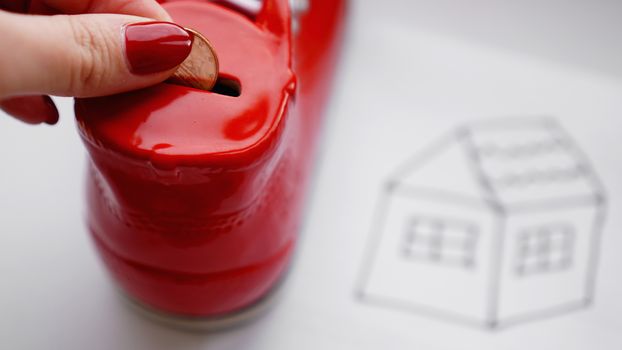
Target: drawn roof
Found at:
x=510, y=162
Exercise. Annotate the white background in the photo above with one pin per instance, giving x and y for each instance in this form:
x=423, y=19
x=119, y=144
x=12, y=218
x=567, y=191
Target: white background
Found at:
x=412, y=70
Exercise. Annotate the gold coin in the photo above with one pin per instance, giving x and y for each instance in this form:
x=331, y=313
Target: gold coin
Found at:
x=200, y=69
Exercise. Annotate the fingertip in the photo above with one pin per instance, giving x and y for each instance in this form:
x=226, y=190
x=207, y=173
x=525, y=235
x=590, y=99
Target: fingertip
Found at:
x=163, y=14
x=31, y=109
x=50, y=110
x=155, y=47
x=147, y=8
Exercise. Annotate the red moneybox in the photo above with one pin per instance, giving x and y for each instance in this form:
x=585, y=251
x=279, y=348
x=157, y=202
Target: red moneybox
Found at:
x=194, y=197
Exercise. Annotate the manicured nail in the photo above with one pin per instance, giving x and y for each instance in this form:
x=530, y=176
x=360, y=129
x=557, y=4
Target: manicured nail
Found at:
x=16, y=6
x=153, y=47
x=31, y=109
x=51, y=112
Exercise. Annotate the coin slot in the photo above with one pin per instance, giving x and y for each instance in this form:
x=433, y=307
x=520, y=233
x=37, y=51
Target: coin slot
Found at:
x=228, y=86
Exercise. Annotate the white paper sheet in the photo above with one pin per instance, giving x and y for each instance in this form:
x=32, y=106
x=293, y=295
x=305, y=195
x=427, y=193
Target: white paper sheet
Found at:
x=515, y=110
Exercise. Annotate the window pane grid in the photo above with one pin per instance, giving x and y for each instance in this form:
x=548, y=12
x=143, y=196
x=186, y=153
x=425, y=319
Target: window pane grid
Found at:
x=544, y=249
x=440, y=241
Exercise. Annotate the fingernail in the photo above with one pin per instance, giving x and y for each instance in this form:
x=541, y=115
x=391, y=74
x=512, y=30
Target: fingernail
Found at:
x=31, y=109
x=16, y=6
x=51, y=112
x=152, y=47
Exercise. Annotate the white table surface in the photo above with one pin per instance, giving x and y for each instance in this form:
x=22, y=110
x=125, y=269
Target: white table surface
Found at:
x=412, y=70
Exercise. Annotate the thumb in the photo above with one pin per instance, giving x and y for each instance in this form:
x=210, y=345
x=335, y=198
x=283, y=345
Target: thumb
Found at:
x=87, y=55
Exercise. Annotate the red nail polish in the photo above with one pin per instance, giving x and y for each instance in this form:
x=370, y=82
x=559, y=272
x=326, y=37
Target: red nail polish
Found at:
x=16, y=6
x=51, y=110
x=31, y=109
x=153, y=47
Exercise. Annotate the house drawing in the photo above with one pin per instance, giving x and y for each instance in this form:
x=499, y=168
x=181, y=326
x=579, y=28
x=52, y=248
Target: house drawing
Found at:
x=497, y=223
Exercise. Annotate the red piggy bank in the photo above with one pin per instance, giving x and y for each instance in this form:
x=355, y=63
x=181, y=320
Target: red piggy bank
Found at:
x=194, y=197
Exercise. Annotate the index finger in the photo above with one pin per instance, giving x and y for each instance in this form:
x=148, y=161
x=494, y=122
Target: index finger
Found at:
x=141, y=8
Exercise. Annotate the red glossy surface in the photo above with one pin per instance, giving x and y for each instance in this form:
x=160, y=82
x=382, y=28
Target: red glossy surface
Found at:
x=152, y=47
x=195, y=197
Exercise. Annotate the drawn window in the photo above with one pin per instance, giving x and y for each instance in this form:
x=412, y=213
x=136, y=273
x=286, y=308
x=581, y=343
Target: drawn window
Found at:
x=544, y=249
x=440, y=241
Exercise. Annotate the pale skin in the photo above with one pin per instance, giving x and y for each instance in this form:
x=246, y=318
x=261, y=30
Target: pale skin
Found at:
x=73, y=49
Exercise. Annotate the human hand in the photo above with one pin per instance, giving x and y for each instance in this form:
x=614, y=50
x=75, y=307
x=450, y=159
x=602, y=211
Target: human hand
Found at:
x=82, y=49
